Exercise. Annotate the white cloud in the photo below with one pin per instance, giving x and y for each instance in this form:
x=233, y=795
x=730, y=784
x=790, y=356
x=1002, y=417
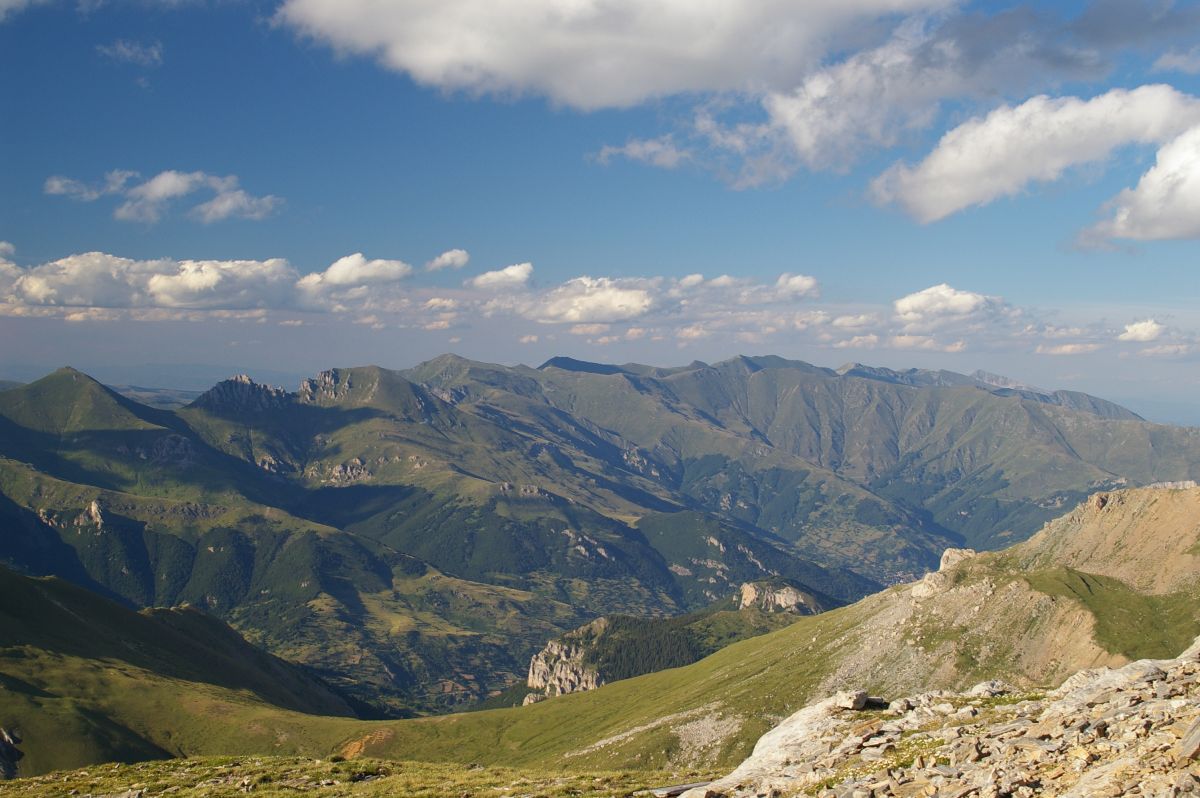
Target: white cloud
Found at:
x=1165, y=204
x=236, y=204
x=1142, y=331
x=7, y=250
x=869, y=99
x=528, y=339
x=1187, y=61
x=114, y=182
x=868, y=341
x=148, y=201
x=925, y=342
x=450, y=259
x=1067, y=349
x=129, y=52
x=796, y=285
x=938, y=301
x=1037, y=141
x=660, y=152
x=594, y=55
x=100, y=280
x=1168, y=350
x=589, y=329
x=585, y=300
x=96, y=279
x=854, y=321
x=512, y=276
x=356, y=269
x=8, y=7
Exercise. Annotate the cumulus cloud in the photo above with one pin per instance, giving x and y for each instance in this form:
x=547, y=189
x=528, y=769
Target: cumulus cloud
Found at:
x=770, y=86
x=513, y=276
x=1165, y=204
x=794, y=286
x=355, y=270
x=1001, y=153
x=130, y=52
x=593, y=55
x=592, y=300
x=101, y=280
x=97, y=287
x=450, y=259
x=1142, y=331
x=96, y=279
x=660, y=152
x=149, y=200
x=939, y=301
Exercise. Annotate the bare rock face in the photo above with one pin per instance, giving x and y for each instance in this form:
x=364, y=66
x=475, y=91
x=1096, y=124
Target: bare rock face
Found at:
x=328, y=386
x=775, y=599
x=559, y=668
x=92, y=516
x=240, y=394
x=1104, y=732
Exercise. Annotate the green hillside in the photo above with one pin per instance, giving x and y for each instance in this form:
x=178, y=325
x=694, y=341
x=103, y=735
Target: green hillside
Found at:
x=416, y=536
x=86, y=680
x=1030, y=615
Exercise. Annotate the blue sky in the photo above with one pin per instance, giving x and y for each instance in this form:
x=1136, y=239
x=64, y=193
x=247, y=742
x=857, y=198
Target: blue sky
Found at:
x=263, y=185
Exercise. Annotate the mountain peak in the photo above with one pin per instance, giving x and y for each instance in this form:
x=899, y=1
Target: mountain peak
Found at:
x=241, y=394
x=571, y=364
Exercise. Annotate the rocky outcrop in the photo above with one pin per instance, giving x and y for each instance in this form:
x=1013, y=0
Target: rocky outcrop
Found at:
x=940, y=580
x=241, y=394
x=92, y=516
x=1105, y=732
x=559, y=668
x=9, y=754
x=776, y=598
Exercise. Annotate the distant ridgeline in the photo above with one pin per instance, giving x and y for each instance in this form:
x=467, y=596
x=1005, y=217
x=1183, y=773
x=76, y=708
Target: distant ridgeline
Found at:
x=415, y=537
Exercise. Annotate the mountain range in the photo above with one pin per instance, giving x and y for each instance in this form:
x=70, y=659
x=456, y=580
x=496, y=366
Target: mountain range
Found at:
x=413, y=537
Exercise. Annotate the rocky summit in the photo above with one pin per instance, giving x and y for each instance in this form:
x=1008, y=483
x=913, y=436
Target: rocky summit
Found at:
x=1133, y=730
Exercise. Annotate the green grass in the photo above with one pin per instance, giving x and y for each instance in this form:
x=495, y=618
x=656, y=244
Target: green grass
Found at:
x=364, y=778
x=1133, y=624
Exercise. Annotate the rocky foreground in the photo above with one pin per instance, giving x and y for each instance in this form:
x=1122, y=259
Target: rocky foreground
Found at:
x=1133, y=730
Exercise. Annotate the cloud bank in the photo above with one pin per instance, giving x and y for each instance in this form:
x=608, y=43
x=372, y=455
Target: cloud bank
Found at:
x=688, y=310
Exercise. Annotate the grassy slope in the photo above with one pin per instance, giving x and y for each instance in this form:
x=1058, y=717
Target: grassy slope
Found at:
x=88, y=680
x=285, y=776
x=990, y=617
